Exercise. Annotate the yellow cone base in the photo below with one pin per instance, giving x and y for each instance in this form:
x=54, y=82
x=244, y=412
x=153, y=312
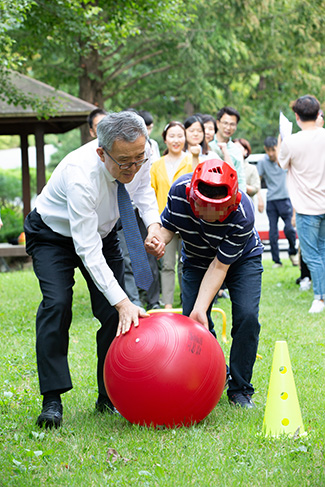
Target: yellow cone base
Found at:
x=282, y=411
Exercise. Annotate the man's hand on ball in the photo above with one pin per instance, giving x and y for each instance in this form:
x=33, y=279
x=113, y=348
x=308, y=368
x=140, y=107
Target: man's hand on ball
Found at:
x=128, y=313
x=200, y=316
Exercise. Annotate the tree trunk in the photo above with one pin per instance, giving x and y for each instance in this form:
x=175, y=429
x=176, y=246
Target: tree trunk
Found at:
x=90, y=86
x=188, y=108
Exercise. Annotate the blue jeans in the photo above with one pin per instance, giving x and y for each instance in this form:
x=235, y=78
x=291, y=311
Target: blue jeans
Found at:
x=276, y=209
x=311, y=233
x=243, y=281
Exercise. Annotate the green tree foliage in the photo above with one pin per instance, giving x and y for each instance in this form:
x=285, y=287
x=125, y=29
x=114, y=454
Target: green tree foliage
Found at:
x=73, y=35
x=13, y=224
x=73, y=44
x=179, y=57
x=11, y=202
x=11, y=186
x=12, y=16
x=255, y=55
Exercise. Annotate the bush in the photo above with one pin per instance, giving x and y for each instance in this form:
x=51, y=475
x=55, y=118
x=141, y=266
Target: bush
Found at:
x=13, y=224
x=10, y=185
x=11, y=203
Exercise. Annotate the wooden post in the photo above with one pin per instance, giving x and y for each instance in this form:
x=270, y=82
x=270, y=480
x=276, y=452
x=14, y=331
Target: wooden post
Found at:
x=25, y=173
x=40, y=159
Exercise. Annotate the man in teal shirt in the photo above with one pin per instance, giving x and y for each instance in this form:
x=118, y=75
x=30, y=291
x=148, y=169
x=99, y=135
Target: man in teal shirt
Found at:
x=227, y=121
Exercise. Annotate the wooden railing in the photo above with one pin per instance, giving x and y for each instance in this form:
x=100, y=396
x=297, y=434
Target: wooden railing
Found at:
x=9, y=250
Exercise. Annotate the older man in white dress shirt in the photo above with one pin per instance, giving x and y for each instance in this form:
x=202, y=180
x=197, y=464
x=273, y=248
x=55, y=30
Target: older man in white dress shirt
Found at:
x=73, y=225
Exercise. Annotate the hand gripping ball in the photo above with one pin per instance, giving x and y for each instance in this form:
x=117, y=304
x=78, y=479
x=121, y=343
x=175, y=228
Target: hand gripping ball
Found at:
x=170, y=371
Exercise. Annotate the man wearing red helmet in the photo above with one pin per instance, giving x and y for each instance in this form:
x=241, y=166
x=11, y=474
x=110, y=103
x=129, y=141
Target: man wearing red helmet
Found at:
x=216, y=222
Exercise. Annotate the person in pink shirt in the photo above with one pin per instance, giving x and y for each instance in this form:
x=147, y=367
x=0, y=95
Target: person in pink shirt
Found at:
x=303, y=154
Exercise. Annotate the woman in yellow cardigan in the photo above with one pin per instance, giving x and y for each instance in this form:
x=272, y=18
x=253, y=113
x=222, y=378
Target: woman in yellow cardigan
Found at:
x=164, y=172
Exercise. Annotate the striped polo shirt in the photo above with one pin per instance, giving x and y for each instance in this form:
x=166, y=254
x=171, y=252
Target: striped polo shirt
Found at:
x=233, y=239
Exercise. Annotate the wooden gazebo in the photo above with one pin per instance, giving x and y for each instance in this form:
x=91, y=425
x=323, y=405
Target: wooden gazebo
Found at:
x=71, y=113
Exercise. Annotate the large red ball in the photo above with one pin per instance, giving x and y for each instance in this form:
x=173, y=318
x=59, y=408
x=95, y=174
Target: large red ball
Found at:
x=170, y=371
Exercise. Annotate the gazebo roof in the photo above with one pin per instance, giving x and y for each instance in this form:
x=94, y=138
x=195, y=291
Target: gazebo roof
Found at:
x=71, y=111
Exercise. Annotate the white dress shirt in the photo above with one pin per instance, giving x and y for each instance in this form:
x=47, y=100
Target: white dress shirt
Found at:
x=154, y=150
x=80, y=201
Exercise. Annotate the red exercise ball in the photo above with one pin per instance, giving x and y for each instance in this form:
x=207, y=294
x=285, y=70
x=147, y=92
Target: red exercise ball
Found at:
x=169, y=371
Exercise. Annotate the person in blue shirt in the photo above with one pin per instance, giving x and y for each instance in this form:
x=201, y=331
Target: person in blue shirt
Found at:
x=278, y=204
x=216, y=222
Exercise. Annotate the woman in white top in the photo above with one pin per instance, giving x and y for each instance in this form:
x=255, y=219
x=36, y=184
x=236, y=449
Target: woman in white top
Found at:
x=197, y=145
x=210, y=127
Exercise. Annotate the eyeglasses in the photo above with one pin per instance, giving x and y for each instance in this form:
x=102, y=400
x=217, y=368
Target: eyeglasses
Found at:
x=128, y=165
x=231, y=125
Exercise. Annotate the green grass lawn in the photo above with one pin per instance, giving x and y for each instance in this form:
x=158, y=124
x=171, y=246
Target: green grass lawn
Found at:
x=226, y=449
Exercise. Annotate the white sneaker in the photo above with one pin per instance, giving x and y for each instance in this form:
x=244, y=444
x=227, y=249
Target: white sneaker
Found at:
x=317, y=306
x=305, y=284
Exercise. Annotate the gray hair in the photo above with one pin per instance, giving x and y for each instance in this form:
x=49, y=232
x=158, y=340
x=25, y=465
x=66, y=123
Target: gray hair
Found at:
x=126, y=125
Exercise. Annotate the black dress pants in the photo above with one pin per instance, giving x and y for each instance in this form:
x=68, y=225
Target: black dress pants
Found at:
x=54, y=261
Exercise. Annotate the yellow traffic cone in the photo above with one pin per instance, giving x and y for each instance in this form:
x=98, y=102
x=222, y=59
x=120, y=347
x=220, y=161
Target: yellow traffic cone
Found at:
x=282, y=411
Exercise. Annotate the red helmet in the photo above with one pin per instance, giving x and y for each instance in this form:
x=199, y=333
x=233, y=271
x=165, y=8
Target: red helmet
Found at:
x=218, y=182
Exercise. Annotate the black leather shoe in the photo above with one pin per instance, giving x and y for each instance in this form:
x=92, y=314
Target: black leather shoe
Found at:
x=242, y=400
x=104, y=405
x=51, y=415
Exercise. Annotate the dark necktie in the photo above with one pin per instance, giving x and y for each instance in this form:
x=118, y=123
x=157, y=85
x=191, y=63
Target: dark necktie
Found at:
x=139, y=259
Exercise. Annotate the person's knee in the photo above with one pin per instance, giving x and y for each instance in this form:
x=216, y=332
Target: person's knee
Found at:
x=60, y=301
x=168, y=267
x=252, y=327
x=246, y=318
